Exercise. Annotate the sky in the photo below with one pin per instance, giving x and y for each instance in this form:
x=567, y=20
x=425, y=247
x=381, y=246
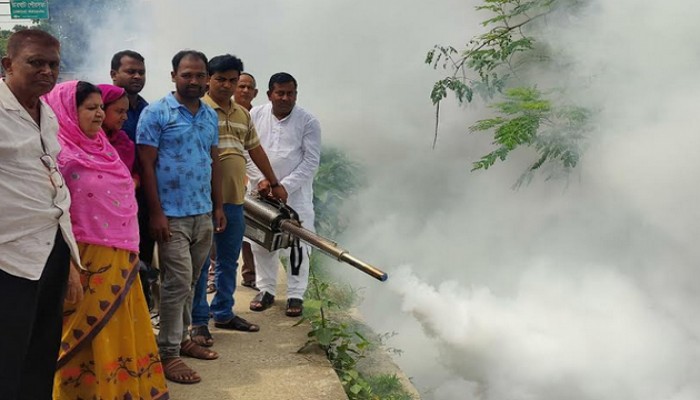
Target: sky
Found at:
x=583, y=288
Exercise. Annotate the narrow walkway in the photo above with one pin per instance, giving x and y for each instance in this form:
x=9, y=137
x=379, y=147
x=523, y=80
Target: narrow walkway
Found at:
x=262, y=365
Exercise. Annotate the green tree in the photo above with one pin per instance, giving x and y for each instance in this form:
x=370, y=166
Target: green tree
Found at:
x=492, y=66
x=5, y=34
x=337, y=179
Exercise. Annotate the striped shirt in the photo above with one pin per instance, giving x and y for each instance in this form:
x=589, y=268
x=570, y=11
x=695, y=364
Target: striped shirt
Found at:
x=236, y=136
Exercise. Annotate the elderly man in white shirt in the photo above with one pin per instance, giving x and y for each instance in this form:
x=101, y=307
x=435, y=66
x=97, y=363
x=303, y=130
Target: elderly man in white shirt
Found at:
x=36, y=239
x=291, y=137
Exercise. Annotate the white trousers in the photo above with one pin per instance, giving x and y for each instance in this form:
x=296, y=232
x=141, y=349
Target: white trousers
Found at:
x=266, y=267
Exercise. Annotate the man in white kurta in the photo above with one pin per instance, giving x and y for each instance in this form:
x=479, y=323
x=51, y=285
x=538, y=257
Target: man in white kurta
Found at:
x=291, y=138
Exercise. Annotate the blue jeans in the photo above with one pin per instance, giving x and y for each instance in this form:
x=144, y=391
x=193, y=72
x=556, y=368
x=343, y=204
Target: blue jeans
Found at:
x=228, y=248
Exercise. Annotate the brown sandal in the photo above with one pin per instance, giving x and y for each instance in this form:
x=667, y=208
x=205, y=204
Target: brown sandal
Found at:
x=177, y=371
x=191, y=349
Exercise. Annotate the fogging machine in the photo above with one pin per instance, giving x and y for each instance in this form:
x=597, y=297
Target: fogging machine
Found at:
x=274, y=225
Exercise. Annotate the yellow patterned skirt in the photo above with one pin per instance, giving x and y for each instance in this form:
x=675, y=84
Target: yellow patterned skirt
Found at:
x=108, y=350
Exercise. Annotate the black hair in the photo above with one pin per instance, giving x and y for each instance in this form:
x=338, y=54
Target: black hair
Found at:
x=224, y=63
x=281, y=78
x=117, y=58
x=188, y=53
x=18, y=39
x=83, y=90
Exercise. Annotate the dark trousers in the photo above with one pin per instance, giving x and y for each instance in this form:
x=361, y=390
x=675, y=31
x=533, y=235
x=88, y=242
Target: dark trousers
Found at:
x=30, y=333
x=147, y=273
x=248, y=267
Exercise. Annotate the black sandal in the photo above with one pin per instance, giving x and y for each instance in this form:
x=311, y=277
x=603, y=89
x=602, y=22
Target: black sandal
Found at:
x=238, y=324
x=262, y=301
x=294, y=307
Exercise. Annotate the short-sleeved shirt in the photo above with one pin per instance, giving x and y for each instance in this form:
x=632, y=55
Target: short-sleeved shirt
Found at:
x=236, y=135
x=184, y=142
x=132, y=118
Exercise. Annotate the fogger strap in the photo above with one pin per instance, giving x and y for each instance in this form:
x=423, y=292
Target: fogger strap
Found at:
x=296, y=256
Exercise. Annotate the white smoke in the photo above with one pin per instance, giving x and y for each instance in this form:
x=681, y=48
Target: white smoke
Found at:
x=580, y=291
x=589, y=335
x=583, y=292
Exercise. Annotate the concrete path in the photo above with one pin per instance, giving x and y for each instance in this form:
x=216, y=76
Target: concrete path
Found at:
x=262, y=365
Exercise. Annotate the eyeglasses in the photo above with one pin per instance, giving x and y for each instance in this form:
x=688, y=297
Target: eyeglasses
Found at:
x=54, y=174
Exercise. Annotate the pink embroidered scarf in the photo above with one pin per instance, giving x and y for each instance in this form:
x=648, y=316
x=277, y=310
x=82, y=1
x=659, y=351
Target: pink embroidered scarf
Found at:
x=119, y=140
x=103, y=206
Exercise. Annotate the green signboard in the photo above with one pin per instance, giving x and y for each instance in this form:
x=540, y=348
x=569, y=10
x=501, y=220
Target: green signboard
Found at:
x=32, y=9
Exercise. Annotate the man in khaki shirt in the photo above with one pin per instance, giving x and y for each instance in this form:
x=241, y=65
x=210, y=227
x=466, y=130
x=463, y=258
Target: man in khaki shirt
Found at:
x=36, y=239
x=236, y=135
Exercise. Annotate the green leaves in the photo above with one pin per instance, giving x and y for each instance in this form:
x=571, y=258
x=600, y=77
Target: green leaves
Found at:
x=527, y=119
x=324, y=336
x=523, y=111
x=489, y=52
x=463, y=92
x=517, y=131
x=343, y=345
x=490, y=65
